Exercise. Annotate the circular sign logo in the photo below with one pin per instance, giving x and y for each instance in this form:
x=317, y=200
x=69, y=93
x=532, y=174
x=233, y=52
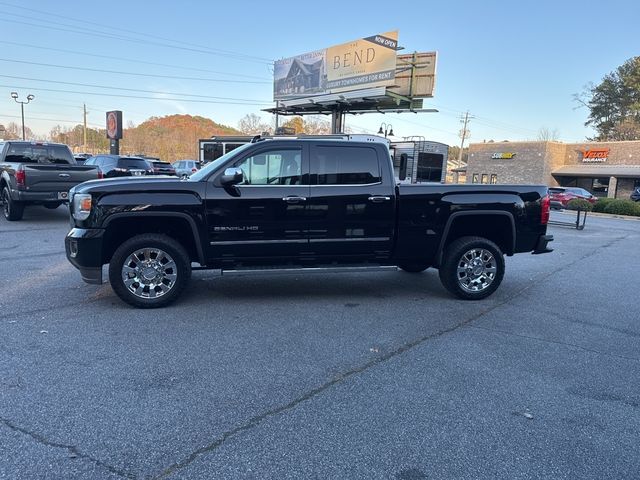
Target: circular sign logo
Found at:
x=112, y=125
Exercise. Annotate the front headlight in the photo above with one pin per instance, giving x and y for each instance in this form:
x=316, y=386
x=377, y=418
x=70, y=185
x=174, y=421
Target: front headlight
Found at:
x=81, y=206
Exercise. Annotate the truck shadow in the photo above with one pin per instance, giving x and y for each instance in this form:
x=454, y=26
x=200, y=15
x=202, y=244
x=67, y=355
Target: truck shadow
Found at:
x=340, y=286
x=36, y=214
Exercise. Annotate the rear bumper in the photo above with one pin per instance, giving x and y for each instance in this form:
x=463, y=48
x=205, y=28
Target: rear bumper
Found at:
x=84, y=250
x=38, y=197
x=542, y=245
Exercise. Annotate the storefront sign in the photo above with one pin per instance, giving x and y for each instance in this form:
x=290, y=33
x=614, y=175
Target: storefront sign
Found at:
x=503, y=155
x=595, y=155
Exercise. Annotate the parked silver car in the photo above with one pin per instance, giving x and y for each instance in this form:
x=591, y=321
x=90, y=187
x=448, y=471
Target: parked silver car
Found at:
x=184, y=168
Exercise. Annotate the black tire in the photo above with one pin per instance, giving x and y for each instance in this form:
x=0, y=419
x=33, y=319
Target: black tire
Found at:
x=414, y=267
x=51, y=206
x=480, y=278
x=11, y=209
x=139, y=293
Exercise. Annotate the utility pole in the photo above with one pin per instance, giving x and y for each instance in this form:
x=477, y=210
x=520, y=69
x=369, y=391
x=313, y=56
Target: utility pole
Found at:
x=84, y=143
x=464, y=133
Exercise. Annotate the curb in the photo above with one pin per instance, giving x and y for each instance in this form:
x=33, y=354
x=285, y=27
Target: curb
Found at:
x=602, y=215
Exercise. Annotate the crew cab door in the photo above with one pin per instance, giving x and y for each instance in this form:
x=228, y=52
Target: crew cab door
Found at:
x=351, y=207
x=264, y=215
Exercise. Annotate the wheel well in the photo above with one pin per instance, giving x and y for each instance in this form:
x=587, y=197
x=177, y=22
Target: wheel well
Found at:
x=122, y=229
x=497, y=228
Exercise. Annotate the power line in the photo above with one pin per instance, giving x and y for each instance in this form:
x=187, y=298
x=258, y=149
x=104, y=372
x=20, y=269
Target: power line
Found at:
x=102, y=94
x=132, y=60
x=92, y=105
x=425, y=126
x=110, y=27
x=137, y=74
x=127, y=39
x=107, y=87
x=489, y=122
x=61, y=120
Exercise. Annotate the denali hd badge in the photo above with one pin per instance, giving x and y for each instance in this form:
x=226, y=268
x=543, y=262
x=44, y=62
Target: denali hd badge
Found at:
x=251, y=228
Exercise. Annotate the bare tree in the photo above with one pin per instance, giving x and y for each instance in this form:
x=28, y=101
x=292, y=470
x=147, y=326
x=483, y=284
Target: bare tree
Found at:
x=13, y=131
x=548, y=135
x=316, y=126
x=252, y=124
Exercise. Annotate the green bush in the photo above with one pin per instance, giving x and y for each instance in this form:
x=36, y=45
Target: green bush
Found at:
x=602, y=203
x=580, y=203
x=623, y=207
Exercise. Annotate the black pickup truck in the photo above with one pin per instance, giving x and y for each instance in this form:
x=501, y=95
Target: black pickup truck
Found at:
x=296, y=205
x=38, y=173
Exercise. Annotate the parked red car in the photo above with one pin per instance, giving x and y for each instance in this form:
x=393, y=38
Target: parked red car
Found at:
x=561, y=196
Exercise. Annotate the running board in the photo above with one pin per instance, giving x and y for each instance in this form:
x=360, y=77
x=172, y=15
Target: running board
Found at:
x=290, y=271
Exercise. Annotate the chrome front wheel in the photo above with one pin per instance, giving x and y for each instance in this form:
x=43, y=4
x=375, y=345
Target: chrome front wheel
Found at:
x=149, y=270
x=149, y=273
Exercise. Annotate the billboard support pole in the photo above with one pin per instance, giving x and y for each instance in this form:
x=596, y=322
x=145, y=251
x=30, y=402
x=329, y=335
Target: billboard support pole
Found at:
x=114, y=147
x=337, y=120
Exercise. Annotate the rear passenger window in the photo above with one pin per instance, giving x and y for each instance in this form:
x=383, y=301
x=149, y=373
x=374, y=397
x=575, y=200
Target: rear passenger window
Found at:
x=345, y=165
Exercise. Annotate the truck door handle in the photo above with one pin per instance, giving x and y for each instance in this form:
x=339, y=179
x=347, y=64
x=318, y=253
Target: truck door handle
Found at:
x=294, y=199
x=379, y=199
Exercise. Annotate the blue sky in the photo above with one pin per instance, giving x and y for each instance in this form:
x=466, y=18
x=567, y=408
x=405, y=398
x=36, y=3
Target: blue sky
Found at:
x=514, y=65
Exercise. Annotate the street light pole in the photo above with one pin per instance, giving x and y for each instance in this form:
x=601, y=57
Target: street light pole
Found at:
x=30, y=97
x=388, y=129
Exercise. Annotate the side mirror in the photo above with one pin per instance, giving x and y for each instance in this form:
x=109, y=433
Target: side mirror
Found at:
x=231, y=176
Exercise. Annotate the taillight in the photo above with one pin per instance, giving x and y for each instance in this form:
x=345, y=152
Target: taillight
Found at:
x=194, y=170
x=100, y=174
x=545, y=204
x=21, y=177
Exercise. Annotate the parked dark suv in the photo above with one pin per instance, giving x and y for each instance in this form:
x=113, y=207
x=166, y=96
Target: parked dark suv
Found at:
x=161, y=168
x=120, y=166
x=635, y=195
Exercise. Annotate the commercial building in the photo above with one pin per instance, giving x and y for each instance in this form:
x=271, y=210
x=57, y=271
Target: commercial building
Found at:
x=606, y=169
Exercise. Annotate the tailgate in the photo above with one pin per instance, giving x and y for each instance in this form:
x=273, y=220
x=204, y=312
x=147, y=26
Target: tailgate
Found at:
x=57, y=178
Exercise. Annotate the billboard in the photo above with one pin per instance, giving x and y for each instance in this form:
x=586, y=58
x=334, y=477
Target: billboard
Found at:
x=363, y=63
x=416, y=74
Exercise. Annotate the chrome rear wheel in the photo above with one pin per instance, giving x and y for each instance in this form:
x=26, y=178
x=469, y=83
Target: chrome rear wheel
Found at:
x=477, y=269
x=472, y=268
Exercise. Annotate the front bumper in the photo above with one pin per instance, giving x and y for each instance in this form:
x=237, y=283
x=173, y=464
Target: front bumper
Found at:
x=541, y=245
x=84, y=250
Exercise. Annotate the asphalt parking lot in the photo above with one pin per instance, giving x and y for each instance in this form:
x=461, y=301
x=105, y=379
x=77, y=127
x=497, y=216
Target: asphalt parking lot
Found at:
x=372, y=376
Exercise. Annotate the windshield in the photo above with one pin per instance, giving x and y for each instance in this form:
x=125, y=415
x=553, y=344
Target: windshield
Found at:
x=211, y=167
x=27, y=153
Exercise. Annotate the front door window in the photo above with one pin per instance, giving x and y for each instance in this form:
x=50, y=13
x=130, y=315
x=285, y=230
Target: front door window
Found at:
x=276, y=167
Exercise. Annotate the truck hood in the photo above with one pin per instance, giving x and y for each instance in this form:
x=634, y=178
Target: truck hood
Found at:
x=134, y=184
